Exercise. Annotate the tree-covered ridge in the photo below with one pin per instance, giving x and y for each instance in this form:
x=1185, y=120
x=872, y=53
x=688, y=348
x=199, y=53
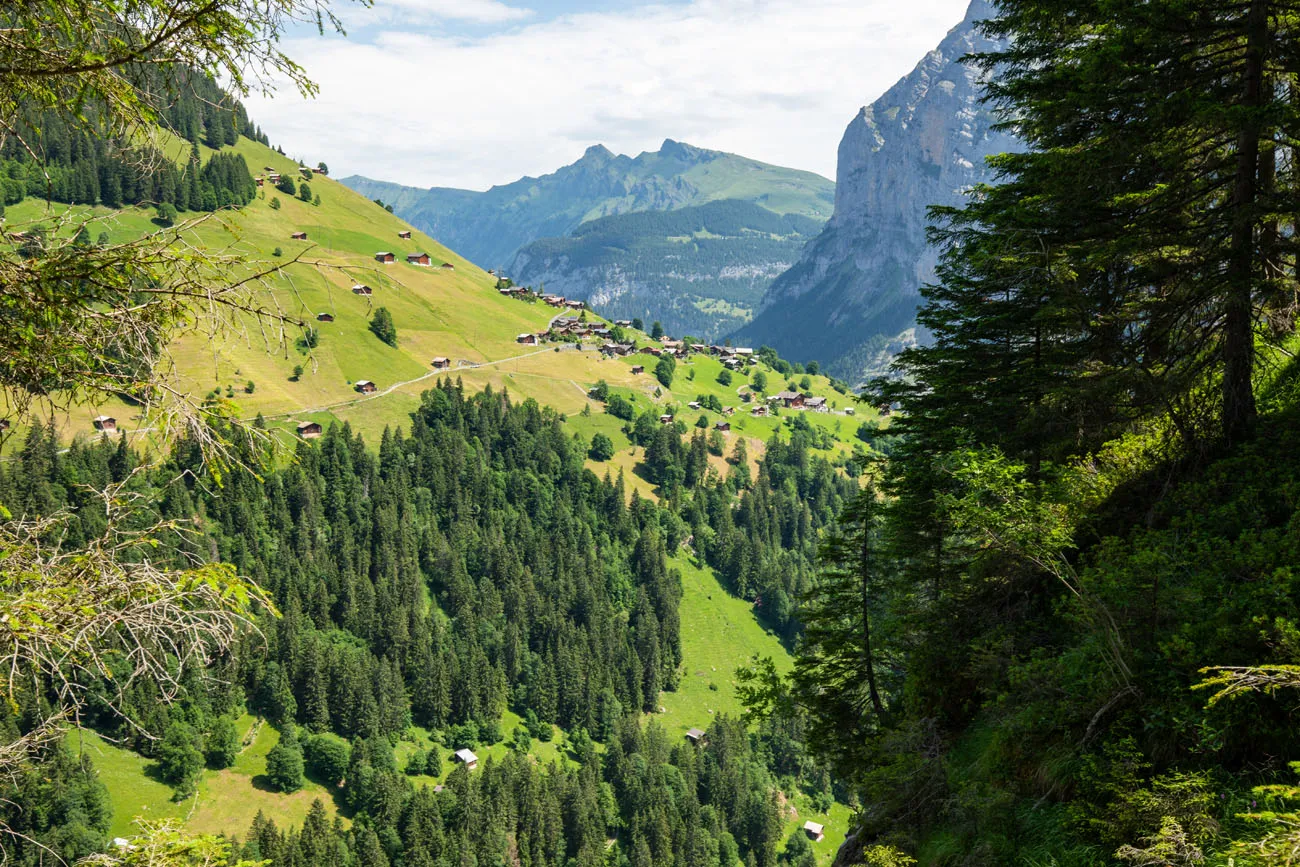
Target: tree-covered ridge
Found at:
x=1092, y=504
x=79, y=161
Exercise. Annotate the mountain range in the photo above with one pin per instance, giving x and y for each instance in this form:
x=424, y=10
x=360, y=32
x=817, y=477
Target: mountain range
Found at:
x=591, y=230
x=850, y=300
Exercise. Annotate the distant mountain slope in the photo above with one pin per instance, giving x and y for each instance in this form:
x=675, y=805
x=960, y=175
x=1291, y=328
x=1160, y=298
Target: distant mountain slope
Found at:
x=700, y=270
x=857, y=285
x=490, y=227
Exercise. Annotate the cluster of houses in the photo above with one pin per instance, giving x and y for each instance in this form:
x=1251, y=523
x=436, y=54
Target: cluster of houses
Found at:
x=795, y=400
x=571, y=326
x=388, y=257
x=561, y=301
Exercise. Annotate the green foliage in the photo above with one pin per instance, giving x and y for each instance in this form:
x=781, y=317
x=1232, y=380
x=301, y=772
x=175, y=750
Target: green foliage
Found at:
x=758, y=380
x=657, y=330
x=724, y=377
x=275, y=203
x=284, y=763
x=381, y=325
x=165, y=214
x=222, y=743
x=304, y=191
x=180, y=761
x=602, y=447
x=326, y=757
x=620, y=407
x=665, y=367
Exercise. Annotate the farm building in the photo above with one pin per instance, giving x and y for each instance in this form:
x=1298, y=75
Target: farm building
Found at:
x=106, y=423
x=848, y=410
x=695, y=736
x=418, y=258
x=467, y=758
x=447, y=266
x=791, y=398
x=695, y=404
x=260, y=180
x=758, y=411
x=299, y=236
x=666, y=418
x=362, y=290
x=623, y=323
x=575, y=305
x=814, y=831
x=553, y=300
x=309, y=430
x=638, y=369
x=722, y=426
x=527, y=339
x=386, y=257
x=365, y=386
x=324, y=317
x=816, y=403
x=441, y=363
x=405, y=234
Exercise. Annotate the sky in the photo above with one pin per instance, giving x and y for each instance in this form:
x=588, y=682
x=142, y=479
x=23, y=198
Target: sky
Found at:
x=471, y=93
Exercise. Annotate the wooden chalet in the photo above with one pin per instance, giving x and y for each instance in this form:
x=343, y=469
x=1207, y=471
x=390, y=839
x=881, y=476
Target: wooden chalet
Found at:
x=527, y=339
x=361, y=289
x=695, y=736
x=386, y=257
x=441, y=363
x=816, y=403
x=758, y=411
x=298, y=236
x=666, y=418
x=447, y=266
x=324, y=317
x=791, y=398
x=699, y=347
x=365, y=386
x=815, y=832
x=695, y=404
x=467, y=758
x=309, y=430
x=405, y=234
x=260, y=180
x=722, y=426
x=575, y=305
x=623, y=323
x=419, y=259
x=105, y=423
x=553, y=300
x=848, y=410
x=638, y=369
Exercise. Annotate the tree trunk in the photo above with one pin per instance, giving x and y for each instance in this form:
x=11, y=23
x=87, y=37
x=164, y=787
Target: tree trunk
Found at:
x=864, y=577
x=1238, y=339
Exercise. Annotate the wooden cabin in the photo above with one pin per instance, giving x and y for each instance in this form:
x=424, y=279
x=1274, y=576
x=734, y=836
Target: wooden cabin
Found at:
x=666, y=418
x=816, y=403
x=695, y=736
x=299, y=236
x=814, y=831
x=365, y=386
x=106, y=423
x=447, y=266
x=359, y=289
x=441, y=363
x=791, y=398
x=722, y=426
x=467, y=758
x=638, y=369
x=405, y=234
x=385, y=257
x=4, y=425
x=418, y=259
x=324, y=317
x=527, y=339
x=309, y=430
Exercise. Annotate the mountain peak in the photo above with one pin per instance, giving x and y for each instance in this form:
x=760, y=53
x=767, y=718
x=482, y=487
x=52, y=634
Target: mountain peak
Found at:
x=680, y=150
x=597, y=152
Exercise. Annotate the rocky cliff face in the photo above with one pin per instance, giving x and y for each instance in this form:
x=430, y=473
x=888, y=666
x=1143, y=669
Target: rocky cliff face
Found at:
x=855, y=289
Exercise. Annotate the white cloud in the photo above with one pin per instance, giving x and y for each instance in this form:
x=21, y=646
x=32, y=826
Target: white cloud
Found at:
x=476, y=11
x=776, y=80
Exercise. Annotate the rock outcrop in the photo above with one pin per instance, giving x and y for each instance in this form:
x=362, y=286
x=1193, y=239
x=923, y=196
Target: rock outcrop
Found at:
x=851, y=298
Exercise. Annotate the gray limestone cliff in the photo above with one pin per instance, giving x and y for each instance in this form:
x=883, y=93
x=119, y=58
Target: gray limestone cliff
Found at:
x=851, y=298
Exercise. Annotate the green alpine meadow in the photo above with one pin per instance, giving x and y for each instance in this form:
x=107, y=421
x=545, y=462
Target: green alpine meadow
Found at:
x=670, y=510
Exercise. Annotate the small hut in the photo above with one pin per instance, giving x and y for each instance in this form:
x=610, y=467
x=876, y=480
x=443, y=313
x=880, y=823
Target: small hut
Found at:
x=386, y=257
x=695, y=736
x=418, y=259
x=441, y=363
x=814, y=831
x=106, y=423
x=467, y=758
x=723, y=426
x=359, y=289
x=324, y=317
x=365, y=386
x=447, y=266
x=298, y=236
x=309, y=430
x=527, y=339
x=405, y=234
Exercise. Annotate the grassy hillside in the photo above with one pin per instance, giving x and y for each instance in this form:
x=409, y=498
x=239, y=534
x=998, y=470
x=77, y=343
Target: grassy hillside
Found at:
x=437, y=312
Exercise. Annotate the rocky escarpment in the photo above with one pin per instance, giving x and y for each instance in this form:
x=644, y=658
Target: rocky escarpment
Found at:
x=855, y=288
